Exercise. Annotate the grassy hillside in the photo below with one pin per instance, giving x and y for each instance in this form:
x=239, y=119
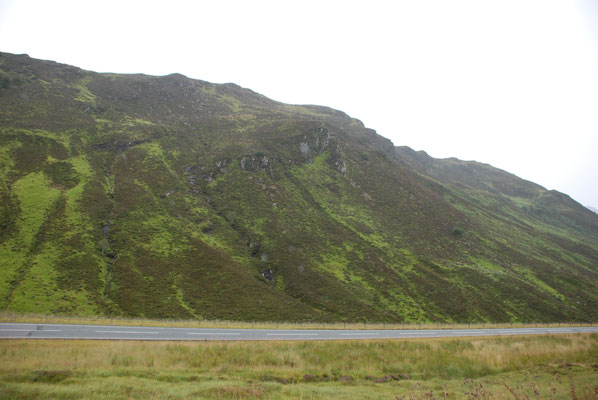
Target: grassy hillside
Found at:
x=167, y=197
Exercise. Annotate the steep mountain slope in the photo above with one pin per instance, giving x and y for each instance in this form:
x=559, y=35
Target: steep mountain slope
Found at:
x=172, y=197
x=554, y=208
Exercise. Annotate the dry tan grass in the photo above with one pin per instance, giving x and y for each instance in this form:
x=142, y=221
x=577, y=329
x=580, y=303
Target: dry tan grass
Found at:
x=484, y=355
x=7, y=316
x=427, y=368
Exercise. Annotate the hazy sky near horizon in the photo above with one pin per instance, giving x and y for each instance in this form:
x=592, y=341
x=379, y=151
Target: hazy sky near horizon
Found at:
x=512, y=83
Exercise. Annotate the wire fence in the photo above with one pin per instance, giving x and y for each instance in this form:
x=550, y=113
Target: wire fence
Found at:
x=102, y=320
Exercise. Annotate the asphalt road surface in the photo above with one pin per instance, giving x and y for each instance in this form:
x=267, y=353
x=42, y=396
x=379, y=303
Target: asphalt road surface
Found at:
x=60, y=331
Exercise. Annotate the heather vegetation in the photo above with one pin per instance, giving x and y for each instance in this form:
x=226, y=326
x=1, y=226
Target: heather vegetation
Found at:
x=167, y=197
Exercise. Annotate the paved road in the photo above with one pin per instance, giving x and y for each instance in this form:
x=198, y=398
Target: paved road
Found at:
x=55, y=331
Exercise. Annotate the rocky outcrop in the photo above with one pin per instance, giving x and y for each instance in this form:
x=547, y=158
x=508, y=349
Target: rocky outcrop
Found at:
x=314, y=143
x=339, y=162
x=255, y=163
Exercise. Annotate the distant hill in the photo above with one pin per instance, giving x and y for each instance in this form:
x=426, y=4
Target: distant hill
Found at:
x=594, y=209
x=168, y=197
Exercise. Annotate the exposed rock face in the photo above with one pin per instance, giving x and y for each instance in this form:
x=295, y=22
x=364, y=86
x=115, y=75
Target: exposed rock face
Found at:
x=339, y=162
x=191, y=176
x=264, y=162
x=268, y=274
x=305, y=150
x=222, y=165
x=254, y=248
x=315, y=143
x=255, y=163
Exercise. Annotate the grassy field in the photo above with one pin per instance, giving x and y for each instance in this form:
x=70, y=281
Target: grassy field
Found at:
x=7, y=316
x=542, y=367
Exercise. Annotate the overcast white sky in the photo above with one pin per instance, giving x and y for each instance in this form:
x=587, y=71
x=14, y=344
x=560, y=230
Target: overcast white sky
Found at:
x=513, y=83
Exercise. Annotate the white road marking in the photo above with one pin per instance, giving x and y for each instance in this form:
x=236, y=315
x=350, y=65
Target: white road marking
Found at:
x=30, y=330
x=358, y=334
x=154, y=333
x=92, y=326
x=210, y=333
x=519, y=331
x=291, y=334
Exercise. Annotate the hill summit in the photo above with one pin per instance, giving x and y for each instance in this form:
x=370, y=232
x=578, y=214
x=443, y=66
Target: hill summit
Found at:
x=168, y=197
